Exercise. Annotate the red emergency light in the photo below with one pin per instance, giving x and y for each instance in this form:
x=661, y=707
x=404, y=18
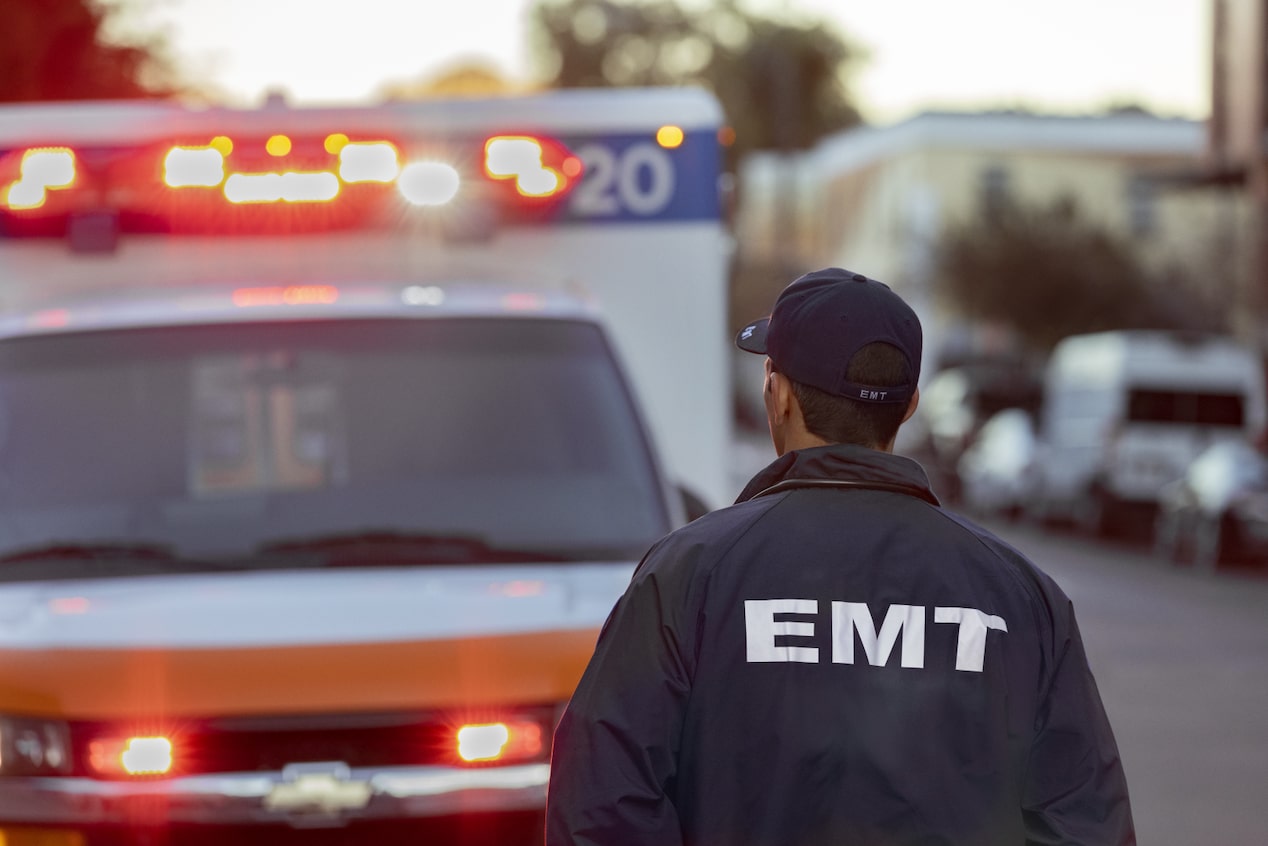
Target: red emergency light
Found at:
x=27, y=177
x=287, y=183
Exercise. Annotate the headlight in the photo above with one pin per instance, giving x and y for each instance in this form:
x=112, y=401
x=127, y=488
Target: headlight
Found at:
x=34, y=747
x=519, y=737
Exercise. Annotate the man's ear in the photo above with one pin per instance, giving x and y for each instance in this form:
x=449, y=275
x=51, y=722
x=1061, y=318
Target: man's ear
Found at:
x=912, y=404
x=781, y=396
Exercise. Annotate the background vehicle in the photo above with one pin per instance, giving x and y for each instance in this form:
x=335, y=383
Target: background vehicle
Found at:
x=997, y=469
x=274, y=560
x=1217, y=513
x=1124, y=413
x=954, y=405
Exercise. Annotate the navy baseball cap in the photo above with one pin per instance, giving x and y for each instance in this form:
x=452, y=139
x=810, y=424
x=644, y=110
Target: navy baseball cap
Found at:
x=822, y=319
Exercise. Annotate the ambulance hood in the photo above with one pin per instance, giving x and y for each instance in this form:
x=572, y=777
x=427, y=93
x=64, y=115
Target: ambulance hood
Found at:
x=294, y=641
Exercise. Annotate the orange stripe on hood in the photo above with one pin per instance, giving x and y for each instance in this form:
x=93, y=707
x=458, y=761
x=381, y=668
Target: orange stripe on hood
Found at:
x=158, y=683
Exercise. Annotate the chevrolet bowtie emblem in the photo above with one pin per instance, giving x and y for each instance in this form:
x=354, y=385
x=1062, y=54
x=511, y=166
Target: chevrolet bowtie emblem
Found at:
x=320, y=789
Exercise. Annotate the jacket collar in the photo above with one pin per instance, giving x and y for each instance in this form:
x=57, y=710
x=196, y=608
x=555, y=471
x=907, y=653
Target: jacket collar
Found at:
x=847, y=465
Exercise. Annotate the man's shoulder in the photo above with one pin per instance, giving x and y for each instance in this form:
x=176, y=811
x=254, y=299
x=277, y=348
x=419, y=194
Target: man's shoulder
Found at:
x=707, y=538
x=1027, y=571
x=728, y=523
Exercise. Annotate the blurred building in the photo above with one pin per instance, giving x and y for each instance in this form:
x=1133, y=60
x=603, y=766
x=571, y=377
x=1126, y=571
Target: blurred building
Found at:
x=1237, y=132
x=877, y=199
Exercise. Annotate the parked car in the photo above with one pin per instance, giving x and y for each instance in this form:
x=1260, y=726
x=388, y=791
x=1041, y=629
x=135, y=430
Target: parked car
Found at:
x=954, y=405
x=1217, y=513
x=995, y=471
x=1124, y=413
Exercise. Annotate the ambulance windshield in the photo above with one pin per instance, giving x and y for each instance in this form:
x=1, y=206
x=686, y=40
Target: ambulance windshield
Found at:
x=224, y=440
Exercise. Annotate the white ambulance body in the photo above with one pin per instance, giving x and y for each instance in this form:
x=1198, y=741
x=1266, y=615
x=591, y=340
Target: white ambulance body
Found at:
x=320, y=465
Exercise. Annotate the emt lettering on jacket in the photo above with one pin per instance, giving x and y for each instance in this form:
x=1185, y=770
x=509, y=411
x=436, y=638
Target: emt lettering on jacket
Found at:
x=855, y=618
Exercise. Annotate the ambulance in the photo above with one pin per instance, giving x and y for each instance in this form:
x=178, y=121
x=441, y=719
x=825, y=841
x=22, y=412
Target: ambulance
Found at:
x=328, y=437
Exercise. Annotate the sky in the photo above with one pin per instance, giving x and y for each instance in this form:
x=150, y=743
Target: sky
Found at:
x=1054, y=55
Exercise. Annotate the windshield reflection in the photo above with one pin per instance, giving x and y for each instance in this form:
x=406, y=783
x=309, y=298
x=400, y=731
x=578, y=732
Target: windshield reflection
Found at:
x=216, y=441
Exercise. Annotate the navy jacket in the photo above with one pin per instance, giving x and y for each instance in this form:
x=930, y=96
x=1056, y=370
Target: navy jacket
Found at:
x=836, y=660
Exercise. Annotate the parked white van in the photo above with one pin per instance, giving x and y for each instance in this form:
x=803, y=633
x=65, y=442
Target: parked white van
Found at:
x=1125, y=412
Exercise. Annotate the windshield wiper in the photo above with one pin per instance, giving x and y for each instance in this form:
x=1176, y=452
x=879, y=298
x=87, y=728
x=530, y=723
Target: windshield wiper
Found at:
x=388, y=547
x=121, y=551
x=97, y=560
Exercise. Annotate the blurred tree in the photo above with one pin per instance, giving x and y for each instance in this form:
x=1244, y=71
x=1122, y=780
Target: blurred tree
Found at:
x=1047, y=272
x=56, y=50
x=782, y=83
x=470, y=78
x=1121, y=108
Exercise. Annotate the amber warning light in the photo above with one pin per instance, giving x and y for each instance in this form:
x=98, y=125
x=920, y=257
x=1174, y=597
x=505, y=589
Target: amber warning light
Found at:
x=285, y=295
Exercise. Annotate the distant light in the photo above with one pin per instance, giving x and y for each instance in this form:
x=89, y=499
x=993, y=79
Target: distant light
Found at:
x=285, y=295
x=69, y=605
x=726, y=136
x=429, y=183
x=522, y=302
x=572, y=167
x=670, y=137
x=373, y=161
x=423, y=295
x=335, y=142
x=223, y=144
x=52, y=318
x=291, y=187
x=185, y=167
x=522, y=587
x=147, y=756
x=278, y=145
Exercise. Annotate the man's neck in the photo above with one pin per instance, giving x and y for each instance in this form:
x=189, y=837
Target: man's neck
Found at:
x=808, y=440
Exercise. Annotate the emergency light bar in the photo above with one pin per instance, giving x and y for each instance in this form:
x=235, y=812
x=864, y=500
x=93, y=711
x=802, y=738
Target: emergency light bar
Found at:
x=226, y=183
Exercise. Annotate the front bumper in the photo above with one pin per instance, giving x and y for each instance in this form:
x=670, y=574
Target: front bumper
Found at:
x=303, y=796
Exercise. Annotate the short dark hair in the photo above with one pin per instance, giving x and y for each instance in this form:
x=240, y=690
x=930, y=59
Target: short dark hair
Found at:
x=848, y=421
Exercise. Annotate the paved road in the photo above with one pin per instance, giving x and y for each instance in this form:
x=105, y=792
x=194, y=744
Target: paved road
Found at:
x=1182, y=663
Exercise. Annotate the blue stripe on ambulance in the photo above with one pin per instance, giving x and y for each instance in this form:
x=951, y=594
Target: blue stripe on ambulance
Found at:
x=632, y=179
